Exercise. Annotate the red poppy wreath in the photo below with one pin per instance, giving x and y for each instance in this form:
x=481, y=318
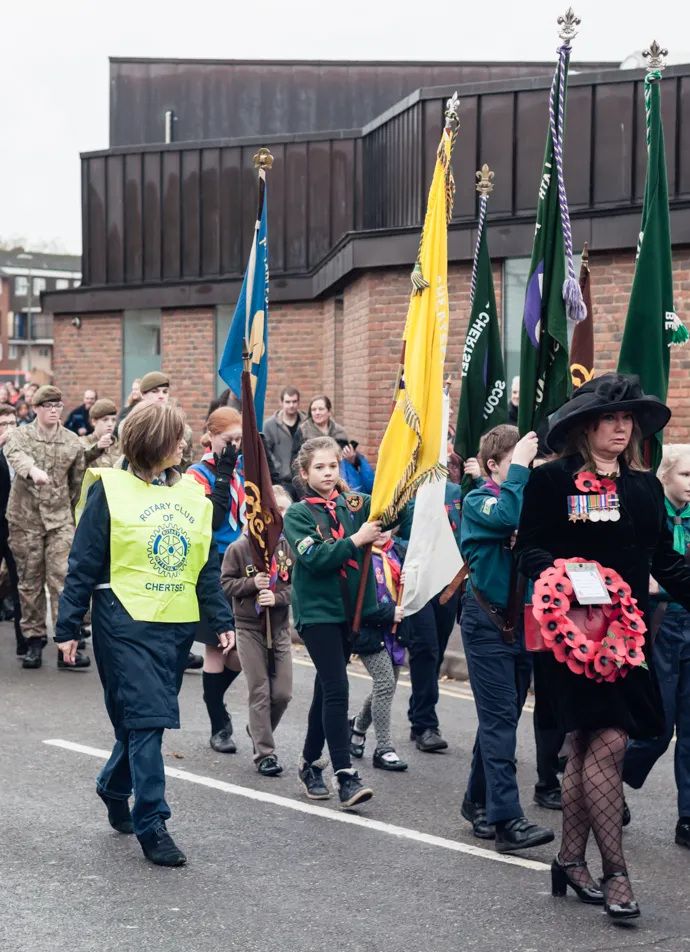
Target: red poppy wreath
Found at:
x=621, y=647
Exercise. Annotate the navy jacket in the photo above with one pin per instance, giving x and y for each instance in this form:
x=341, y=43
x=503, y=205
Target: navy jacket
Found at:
x=140, y=664
x=79, y=420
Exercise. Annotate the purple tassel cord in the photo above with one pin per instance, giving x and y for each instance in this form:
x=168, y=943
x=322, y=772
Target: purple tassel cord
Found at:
x=575, y=308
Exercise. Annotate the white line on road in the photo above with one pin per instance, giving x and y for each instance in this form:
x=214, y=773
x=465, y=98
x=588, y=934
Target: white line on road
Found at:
x=323, y=812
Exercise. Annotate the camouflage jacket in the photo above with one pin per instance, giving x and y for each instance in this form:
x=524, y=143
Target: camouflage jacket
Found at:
x=61, y=456
x=98, y=458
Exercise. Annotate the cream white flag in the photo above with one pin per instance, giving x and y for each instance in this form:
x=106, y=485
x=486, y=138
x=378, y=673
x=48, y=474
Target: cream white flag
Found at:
x=433, y=559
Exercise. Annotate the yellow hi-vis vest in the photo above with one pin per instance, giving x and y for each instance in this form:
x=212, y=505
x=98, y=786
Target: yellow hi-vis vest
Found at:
x=159, y=543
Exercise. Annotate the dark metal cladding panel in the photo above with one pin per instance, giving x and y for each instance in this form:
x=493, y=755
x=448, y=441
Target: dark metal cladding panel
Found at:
x=171, y=215
x=669, y=115
x=210, y=211
x=115, y=262
x=466, y=161
x=683, y=142
x=152, y=216
x=496, y=143
x=275, y=185
x=578, y=146
x=249, y=184
x=231, y=211
x=85, y=233
x=134, y=256
x=97, y=220
x=613, y=156
x=319, y=222
x=359, y=184
x=532, y=122
x=296, y=174
x=343, y=187
x=432, y=129
x=191, y=213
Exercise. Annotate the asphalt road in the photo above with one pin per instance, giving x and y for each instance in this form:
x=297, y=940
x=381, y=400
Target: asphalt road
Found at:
x=275, y=874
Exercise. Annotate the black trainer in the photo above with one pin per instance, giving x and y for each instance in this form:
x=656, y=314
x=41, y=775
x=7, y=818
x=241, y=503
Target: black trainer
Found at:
x=160, y=848
x=430, y=741
x=385, y=758
x=270, y=766
x=475, y=814
x=683, y=831
x=81, y=661
x=34, y=654
x=548, y=799
x=194, y=662
x=350, y=788
x=519, y=834
x=311, y=776
x=119, y=816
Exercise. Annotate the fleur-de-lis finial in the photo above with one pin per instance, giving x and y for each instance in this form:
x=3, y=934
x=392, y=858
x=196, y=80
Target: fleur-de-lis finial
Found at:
x=485, y=181
x=655, y=56
x=452, y=112
x=567, y=24
x=263, y=159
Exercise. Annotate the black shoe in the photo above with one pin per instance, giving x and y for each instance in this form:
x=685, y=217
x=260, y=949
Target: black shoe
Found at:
x=34, y=654
x=119, y=816
x=357, y=740
x=270, y=766
x=475, y=814
x=222, y=741
x=81, y=661
x=430, y=741
x=194, y=662
x=385, y=758
x=160, y=848
x=683, y=831
x=561, y=879
x=548, y=799
x=519, y=834
x=22, y=645
x=311, y=776
x=619, y=910
x=626, y=814
x=351, y=789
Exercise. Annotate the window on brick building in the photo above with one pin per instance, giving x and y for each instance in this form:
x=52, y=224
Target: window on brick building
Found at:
x=39, y=285
x=141, y=350
x=21, y=286
x=515, y=272
x=61, y=284
x=224, y=315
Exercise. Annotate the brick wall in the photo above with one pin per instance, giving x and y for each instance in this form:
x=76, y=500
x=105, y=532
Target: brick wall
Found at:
x=88, y=357
x=188, y=356
x=296, y=351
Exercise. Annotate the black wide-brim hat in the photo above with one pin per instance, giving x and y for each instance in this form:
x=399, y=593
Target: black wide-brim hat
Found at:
x=610, y=393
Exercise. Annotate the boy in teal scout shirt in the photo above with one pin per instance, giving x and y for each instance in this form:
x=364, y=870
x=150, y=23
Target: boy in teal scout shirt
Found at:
x=500, y=668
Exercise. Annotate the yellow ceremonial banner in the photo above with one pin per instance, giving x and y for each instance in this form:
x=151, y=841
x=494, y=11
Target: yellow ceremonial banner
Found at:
x=409, y=452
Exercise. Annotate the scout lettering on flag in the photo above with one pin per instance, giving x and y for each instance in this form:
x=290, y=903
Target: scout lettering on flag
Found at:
x=250, y=322
x=544, y=363
x=483, y=403
x=652, y=326
x=432, y=559
x=582, y=344
x=264, y=521
x=409, y=452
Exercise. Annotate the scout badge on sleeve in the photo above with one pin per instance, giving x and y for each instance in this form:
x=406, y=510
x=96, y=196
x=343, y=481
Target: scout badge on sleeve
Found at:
x=305, y=545
x=598, y=501
x=354, y=502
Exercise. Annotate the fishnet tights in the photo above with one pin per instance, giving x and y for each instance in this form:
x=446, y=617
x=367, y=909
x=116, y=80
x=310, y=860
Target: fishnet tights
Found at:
x=592, y=793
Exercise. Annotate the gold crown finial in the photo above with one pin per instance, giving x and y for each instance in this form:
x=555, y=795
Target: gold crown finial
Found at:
x=655, y=56
x=567, y=26
x=485, y=181
x=263, y=159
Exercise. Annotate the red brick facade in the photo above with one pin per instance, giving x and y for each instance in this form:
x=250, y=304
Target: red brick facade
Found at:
x=348, y=346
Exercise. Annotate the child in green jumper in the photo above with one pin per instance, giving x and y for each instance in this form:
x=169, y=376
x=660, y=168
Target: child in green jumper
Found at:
x=328, y=531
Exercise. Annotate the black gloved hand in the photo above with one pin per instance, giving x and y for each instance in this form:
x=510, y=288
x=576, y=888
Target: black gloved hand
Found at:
x=226, y=462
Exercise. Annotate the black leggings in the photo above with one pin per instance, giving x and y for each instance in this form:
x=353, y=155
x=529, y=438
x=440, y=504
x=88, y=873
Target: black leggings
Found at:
x=329, y=649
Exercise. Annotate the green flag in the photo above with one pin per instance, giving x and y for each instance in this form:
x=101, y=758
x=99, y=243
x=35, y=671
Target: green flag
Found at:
x=652, y=326
x=545, y=382
x=483, y=403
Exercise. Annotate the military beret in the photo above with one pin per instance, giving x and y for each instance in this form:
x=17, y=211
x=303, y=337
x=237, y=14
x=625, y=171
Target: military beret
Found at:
x=46, y=394
x=154, y=379
x=101, y=408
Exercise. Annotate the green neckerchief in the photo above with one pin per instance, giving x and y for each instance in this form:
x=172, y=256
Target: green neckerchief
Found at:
x=679, y=543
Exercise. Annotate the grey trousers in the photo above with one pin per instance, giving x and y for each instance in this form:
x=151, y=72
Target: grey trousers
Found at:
x=268, y=696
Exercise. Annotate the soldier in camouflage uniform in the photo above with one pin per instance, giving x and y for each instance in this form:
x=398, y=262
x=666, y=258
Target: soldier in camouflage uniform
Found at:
x=155, y=388
x=101, y=449
x=48, y=462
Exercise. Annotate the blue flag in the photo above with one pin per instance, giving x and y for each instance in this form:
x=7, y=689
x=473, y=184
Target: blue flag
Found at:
x=250, y=323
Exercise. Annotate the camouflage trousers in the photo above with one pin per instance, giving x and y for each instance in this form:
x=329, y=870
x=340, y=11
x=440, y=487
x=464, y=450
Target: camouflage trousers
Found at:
x=41, y=556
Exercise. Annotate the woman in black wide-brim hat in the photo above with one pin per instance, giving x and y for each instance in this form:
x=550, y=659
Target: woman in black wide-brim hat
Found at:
x=599, y=431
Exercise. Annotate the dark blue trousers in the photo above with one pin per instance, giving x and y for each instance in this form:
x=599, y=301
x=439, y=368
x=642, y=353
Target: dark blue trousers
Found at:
x=500, y=676
x=672, y=664
x=136, y=764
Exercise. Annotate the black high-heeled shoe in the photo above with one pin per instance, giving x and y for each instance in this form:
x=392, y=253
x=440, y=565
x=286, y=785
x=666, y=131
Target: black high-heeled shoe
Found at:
x=561, y=879
x=619, y=910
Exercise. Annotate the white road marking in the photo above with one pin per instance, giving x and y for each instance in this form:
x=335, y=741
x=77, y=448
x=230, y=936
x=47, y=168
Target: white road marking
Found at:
x=323, y=812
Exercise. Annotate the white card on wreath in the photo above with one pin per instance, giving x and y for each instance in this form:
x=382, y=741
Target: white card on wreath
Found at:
x=588, y=585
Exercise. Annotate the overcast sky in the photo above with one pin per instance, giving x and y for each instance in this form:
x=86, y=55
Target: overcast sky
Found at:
x=54, y=64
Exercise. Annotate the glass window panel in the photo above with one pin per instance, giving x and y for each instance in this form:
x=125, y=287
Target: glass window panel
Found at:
x=141, y=346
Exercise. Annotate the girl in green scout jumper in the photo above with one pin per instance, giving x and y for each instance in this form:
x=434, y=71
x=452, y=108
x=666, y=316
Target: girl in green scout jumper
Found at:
x=327, y=532
x=144, y=549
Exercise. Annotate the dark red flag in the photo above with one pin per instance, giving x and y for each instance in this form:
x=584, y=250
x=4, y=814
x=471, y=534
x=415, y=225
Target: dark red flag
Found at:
x=582, y=345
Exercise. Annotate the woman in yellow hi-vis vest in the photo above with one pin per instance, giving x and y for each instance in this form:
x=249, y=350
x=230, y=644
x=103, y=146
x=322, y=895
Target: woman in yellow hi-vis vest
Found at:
x=144, y=549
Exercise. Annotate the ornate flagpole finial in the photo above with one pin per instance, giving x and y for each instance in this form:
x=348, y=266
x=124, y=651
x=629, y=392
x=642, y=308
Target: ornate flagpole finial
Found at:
x=567, y=26
x=655, y=56
x=485, y=184
x=263, y=159
x=452, y=112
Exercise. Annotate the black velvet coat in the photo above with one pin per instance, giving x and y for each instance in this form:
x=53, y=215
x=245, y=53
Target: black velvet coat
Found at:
x=639, y=543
